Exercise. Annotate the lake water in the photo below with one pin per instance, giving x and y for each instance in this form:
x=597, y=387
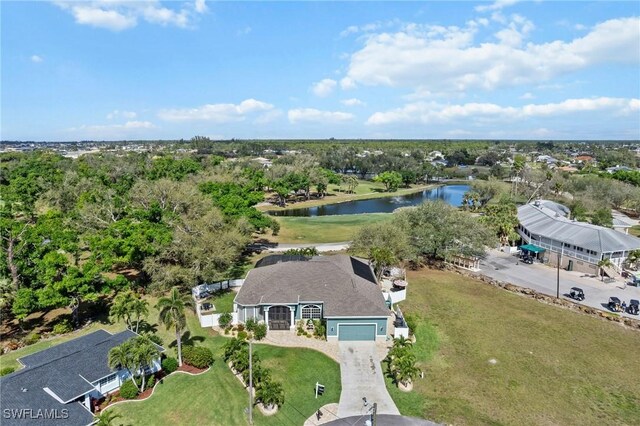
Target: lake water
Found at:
x=451, y=194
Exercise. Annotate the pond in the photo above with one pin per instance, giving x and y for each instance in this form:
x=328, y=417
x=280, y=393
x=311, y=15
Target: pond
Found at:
x=451, y=194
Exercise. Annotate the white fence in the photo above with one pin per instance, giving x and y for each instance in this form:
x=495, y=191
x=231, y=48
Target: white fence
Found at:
x=396, y=296
x=211, y=320
x=203, y=289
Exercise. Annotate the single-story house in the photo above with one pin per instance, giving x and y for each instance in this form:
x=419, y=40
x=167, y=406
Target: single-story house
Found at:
x=546, y=226
x=59, y=385
x=341, y=290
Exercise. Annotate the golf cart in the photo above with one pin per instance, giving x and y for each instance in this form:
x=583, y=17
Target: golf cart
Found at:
x=527, y=259
x=614, y=304
x=576, y=293
x=634, y=307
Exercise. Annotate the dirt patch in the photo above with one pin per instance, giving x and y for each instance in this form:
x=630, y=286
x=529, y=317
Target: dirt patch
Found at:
x=191, y=369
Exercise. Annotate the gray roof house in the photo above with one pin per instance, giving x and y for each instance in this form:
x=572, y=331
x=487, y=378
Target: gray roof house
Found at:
x=341, y=290
x=57, y=385
x=544, y=224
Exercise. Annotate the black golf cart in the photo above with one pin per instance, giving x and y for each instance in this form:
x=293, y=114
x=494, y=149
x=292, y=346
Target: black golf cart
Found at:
x=634, y=307
x=614, y=304
x=576, y=293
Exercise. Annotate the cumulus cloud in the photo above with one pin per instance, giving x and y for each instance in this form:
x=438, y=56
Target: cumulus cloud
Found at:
x=130, y=115
x=439, y=58
x=36, y=59
x=323, y=88
x=217, y=113
x=352, y=102
x=432, y=112
x=317, y=116
x=497, y=5
x=527, y=95
x=117, y=15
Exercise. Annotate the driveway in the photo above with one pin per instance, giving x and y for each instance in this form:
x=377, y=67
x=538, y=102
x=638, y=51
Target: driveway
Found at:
x=361, y=376
x=542, y=278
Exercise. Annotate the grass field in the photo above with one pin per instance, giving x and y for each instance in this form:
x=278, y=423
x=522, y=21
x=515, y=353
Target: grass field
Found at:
x=324, y=229
x=336, y=194
x=553, y=366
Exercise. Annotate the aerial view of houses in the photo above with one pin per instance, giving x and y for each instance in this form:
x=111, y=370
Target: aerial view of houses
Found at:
x=310, y=213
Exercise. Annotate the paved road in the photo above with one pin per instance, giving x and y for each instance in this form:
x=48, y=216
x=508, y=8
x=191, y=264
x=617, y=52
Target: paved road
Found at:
x=382, y=420
x=321, y=247
x=542, y=278
x=361, y=377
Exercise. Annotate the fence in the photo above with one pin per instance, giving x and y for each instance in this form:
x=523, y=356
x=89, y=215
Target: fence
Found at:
x=198, y=290
x=396, y=296
x=211, y=320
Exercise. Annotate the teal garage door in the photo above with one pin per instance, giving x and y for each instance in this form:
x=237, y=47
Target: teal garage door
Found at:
x=347, y=332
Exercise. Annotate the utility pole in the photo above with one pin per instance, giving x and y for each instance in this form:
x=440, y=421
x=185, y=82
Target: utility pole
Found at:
x=250, y=385
x=374, y=411
x=558, y=276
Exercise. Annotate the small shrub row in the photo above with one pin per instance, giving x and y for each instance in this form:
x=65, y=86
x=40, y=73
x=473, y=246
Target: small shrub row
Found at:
x=62, y=327
x=31, y=338
x=169, y=365
x=7, y=370
x=128, y=390
x=197, y=356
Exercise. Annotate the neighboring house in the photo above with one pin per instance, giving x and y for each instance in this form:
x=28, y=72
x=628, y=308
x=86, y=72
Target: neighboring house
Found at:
x=584, y=159
x=619, y=168
x=546, y=226
x=342, y=290
x=59, y=385
x=546, y=159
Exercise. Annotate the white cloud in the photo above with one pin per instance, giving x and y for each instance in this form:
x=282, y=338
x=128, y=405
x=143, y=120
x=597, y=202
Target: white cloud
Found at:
x=497, y=5
x=432, y=112
x=318, y=116
x=528, y=95
x=119, y=15
x=129, y=129
x=243, y=31
x=439, y=58
x=580, y=27
x=268, y=117
x=352, y=102
x=347, y=83
x=130, y=115
x=323, y=88
x=217, y=113
x=37, y=59
x=200, y=6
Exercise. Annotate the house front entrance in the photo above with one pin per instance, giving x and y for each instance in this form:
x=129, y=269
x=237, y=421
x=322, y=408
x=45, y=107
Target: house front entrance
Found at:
x=279, y=318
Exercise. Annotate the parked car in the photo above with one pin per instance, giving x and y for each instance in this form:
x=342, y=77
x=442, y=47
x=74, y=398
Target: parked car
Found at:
x=614, y=304
x=576, y=293
x=634, y=307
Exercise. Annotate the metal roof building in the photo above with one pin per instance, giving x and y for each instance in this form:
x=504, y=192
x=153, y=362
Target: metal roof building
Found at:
x=543, y=224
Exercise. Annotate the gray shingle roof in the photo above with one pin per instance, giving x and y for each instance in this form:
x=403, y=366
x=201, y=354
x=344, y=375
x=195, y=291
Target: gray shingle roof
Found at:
x=543, y=221
x=345, y=285
x=66, y=370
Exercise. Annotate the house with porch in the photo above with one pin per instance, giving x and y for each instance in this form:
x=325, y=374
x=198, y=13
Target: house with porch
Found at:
x=340, y=290
x=548, y=232
x=60, y=385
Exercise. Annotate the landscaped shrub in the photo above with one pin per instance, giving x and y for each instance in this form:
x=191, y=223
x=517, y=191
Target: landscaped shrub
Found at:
x=260, y=331
x=151, y=380
x=240, y=328
x=231, y=347
x=7, y=370
x=62, y=327
x=128, y=390
x=242, y=335
x=250, y=324
x=225, y=320
x=31, y=338
x=169, y=365
x=412, y=323
x=319, y=329
x=197, y=356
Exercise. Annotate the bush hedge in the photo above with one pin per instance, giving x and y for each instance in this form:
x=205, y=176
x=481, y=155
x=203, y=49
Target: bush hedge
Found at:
x=62, y=327
x=128, y=390
x=197, y=356
x=242, y=335
x=31, y=338
x=7, y=370
x=260, y=331
x=169, y=365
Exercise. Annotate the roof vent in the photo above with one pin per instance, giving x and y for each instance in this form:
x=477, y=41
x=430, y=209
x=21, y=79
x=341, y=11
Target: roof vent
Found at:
x=23, y=389
x=536, y=203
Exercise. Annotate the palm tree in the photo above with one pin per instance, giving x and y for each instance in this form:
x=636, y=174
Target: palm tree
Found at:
x=604, y=263
x=144, y=353
x=106, y=418
x=270, y=393
x=121, y=356
x=139, y=308
x=405, y=369
x=120, y=308
x=172, y=314
x=633, y=257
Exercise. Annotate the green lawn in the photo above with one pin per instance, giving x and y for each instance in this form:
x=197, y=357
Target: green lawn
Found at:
x=223, y=300
x=635, y=230
x=325, y=229
x=554, y=366
x=218, y=398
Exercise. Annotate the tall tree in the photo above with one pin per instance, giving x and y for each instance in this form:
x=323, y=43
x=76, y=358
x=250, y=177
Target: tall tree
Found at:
x=172, y=314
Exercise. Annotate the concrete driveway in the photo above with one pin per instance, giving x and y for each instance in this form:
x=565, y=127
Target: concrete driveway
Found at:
x=361, y=376
x=543, y=279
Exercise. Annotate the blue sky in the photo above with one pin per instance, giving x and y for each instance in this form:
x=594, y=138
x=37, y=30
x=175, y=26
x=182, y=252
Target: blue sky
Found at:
x=111, y=69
